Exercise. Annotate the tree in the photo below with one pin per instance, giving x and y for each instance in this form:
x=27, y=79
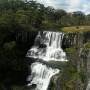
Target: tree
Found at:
x=88, y=19
x=59, y=14
x=79, y=17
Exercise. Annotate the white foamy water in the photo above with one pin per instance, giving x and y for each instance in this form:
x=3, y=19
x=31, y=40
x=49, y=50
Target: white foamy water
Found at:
x=41, y=75
x=88, y=87
x=47, y=47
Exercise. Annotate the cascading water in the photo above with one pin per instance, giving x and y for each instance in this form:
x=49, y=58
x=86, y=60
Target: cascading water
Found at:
x=47, y=47
x=41, y=75
x=88, y=86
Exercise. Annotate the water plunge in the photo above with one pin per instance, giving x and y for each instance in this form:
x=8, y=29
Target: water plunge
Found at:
x=41, y=75
x=47, y=47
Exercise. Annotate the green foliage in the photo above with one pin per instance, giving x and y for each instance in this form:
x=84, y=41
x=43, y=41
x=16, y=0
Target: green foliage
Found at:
x=87, y=45
x=10, y=45
x=70, y=76
x=70, y=50
x=13, y=66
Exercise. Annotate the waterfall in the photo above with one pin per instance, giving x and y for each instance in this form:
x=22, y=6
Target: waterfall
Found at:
x=88, y=86
x=47, y=47
x=41, y=75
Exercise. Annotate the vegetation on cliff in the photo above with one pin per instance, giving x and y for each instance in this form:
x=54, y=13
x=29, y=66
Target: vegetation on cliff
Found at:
x=87, y=45
x=73, y=74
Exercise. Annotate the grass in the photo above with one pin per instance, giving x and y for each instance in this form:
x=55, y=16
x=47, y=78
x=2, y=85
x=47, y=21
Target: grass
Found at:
x=76, y=29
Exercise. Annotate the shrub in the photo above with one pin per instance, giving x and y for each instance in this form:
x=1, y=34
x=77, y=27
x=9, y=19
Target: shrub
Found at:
x=87, y=45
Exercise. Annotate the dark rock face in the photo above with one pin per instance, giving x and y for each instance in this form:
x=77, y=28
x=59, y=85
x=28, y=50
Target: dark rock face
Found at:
x=27, y=38
x=72, y=39
x=13, y=64
x=86, y=36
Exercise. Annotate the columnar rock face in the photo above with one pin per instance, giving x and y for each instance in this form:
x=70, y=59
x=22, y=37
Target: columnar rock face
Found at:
x=26, y=37
x=73, y=39
x=86, y=36
x=69, y=39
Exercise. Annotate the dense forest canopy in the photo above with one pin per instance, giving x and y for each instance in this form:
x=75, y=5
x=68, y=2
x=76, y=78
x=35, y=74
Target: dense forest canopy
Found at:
x=30, y=15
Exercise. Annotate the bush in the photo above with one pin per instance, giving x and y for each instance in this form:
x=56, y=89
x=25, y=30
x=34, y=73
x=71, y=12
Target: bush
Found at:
x=70, y=50
x=87, y=45
x=9, y=45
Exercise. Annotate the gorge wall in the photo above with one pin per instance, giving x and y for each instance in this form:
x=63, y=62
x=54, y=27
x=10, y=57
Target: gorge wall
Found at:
x=74, y=75
x=78, y=56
